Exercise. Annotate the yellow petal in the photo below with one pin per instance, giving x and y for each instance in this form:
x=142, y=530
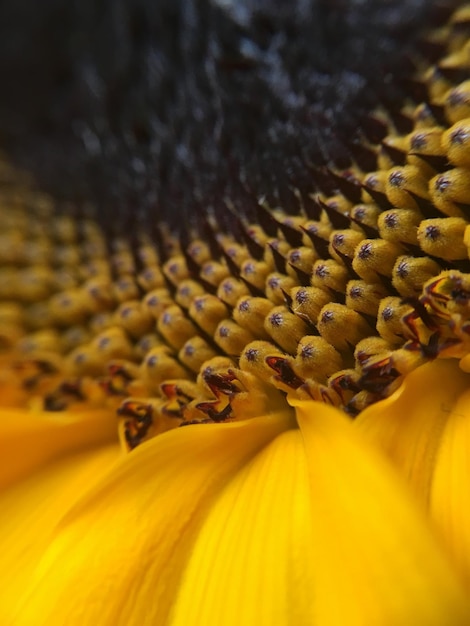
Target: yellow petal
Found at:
x=450, y=494
x=117, y=559
x=252, y=562
x=32, y=508
x=424, y=427
x=30, y=439
x=376, y=560
x=409, y=424
x=247, y=523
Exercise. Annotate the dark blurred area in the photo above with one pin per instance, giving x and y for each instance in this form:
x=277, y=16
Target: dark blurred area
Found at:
x=170, y=106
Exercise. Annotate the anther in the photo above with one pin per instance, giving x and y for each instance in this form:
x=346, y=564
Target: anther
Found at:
x=176, y=270
x=214, y=272
x=150, y=278
x=443, y=238
x=300, y=259
x=426, y=151
x=375, y=188
x=126, y=288
x=207, y=311
x=160, y=365
x=276, y=285
x=364, y=297
x=369, y=348
x=187, y=291
x=389, y=320
x=456, y=142
x=317, y=359
x=366, y=215
x=374, y=258
x=341, y=326
x=449, y=190
x=406, y=186
x=343, y=244
x=157, y=301
x=285, y=328
x=99, y=292
x=69, y=307
x=250, y=313
x=199, y=251
x=308, y=301
x=231, y=337
x=259, y=357
x=134, y=318
x=400, y=225
x=330, y=274
x=231, y=289
x=236, y=252
x=457, y=103
x=175, y=327
x=410, y=274
x=255, y=272
x=146, y=343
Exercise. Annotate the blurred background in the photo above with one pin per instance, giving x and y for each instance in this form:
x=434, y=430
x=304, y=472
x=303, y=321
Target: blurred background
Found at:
x=171, y=105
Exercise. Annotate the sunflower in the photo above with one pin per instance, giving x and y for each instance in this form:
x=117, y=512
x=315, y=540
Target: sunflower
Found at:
x=259, y=416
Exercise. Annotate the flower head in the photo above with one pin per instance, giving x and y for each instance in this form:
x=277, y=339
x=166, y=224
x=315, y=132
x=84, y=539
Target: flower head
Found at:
x=255, y=336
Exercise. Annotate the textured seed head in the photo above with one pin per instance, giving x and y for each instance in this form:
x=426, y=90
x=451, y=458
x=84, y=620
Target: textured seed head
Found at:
x=329, y=281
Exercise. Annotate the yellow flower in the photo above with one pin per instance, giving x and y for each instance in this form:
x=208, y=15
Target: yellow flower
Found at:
x=291, y=399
